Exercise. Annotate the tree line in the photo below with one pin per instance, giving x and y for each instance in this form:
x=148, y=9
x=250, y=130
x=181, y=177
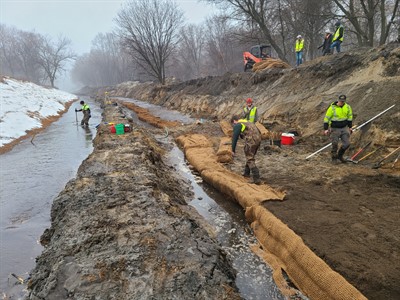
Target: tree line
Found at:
x=32, y=56
x=153, y=42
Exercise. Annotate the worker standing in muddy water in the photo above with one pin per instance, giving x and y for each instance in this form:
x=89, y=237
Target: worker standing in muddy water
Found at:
x=252, y=138
x=338, y=123
x=86, y=113
x=250, y=112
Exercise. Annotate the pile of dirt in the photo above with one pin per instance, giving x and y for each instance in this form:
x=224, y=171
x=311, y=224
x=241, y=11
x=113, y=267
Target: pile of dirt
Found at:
x=348, y=213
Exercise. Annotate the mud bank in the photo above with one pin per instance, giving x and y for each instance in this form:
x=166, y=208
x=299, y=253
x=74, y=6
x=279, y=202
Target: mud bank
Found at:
x=347, y=214
x=122, y=230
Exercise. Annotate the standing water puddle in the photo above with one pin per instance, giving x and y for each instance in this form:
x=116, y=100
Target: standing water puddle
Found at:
x=32, y=174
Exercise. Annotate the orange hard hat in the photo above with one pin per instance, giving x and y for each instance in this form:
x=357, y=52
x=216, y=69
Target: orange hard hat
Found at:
x=248, y=101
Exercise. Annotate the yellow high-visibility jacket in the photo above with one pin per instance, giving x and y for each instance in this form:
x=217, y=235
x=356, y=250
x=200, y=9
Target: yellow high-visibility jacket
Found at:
x=299, y=45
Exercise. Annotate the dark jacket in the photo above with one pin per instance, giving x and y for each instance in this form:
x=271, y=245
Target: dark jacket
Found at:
x=326, y=44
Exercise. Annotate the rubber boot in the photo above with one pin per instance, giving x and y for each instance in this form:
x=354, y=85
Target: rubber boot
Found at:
x=256, y=176
x=246, y=172
x=340, y=155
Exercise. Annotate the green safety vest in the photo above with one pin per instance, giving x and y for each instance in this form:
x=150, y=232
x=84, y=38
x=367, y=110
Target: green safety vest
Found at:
x=251, y=117
x=85, y=107
x=338, y=114
x=336, y=35
x=299, y=45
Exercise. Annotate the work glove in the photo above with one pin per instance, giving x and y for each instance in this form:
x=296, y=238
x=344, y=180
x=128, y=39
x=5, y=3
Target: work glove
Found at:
x=76, y=110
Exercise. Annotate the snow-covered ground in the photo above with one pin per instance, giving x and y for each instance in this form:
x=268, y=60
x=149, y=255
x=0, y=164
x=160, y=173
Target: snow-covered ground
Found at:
x=24, y=104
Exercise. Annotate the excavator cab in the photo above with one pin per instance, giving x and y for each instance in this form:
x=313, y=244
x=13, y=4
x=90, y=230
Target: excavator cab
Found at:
x=256, y=54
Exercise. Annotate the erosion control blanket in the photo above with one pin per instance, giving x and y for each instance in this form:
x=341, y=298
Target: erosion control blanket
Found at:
x=287, y=251
x=145, y=116
x=282, y=249
x=200, y=153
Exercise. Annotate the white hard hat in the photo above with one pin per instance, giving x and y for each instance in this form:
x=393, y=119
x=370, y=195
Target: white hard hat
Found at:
x=328, y=30
x=299, y=36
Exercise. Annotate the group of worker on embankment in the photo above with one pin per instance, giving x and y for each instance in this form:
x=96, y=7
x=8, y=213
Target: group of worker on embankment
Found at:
x=331, y=41
x=337, y=124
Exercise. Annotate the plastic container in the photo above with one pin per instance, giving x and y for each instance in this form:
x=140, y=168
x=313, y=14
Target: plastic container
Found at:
x=287, y=139
x=119, y=128
x=112, y=129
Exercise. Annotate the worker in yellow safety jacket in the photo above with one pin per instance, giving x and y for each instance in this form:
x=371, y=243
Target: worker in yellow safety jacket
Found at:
x=250, y=111
x=299, y=50
x=249, y=132
x=337, y=37
x=85, y=109
x=338, y=124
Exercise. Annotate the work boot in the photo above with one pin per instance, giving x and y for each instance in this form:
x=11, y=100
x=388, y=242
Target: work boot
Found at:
x=246, y=172
x=256, y=176
x=340, y=155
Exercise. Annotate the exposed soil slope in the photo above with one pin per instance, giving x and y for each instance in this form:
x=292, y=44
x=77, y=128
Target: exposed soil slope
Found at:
x=348, y=213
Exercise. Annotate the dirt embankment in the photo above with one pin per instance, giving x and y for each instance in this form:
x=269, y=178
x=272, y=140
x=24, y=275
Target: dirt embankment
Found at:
x=122, y=230
x=348, y=213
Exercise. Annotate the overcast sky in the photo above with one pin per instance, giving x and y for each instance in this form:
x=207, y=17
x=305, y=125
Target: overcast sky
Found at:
x=78, y=20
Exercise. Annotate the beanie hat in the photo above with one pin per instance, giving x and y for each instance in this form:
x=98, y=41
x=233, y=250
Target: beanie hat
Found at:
x=82, y=102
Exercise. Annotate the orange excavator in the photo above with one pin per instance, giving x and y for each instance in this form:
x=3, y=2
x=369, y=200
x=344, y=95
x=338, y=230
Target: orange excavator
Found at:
x=257, y=53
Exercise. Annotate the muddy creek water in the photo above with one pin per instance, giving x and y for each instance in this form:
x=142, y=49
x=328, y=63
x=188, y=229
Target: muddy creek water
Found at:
x=32, y=175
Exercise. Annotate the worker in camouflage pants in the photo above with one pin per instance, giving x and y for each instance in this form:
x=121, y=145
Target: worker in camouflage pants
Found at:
x=249, y=132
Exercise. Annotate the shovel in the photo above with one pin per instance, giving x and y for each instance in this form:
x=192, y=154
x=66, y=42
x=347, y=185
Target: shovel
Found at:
x=378, y=164
x=359, y=152
x=367, y=155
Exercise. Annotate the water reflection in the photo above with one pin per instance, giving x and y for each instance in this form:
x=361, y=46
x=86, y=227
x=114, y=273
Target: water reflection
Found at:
x=31, y=176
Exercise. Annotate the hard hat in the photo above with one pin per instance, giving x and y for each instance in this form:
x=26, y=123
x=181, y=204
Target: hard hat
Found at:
x=249, y=100
x=82, y=102
x=299, y=36
x=342, y=98
x=328, y=30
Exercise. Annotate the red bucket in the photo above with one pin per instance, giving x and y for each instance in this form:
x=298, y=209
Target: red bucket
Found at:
x=112, y=129
x=287, y=139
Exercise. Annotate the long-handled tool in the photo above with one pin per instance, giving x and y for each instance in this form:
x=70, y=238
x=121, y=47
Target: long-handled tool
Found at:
x=357, y=128
x=367, y=155
x=395, y=161
x=359, y=152
x=76, y=117
x=378, y=164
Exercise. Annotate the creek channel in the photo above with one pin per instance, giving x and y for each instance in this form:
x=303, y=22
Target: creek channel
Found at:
x=253, y=276
x=32, y=174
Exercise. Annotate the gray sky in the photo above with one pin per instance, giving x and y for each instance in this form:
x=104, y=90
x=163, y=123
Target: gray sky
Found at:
x=78, y=20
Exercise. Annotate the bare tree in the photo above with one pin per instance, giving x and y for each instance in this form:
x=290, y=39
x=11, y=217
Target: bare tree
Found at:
x=149, y=30
x=191, y=49
x=366, y=16
x=19, y=53
x=258, y=12
x=106, y=64
x=54, y=56
x=222, y=48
